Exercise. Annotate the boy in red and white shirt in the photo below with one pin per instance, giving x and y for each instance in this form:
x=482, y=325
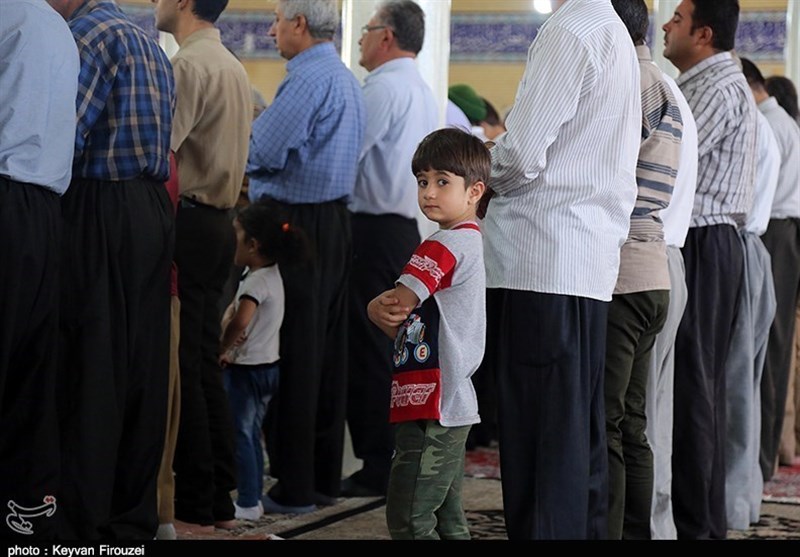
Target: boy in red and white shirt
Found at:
x=436, y=313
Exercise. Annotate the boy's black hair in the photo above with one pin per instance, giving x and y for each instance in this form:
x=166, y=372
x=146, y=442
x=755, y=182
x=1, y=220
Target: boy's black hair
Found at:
x=456, y=151
x=267, y=222
x=722, y=16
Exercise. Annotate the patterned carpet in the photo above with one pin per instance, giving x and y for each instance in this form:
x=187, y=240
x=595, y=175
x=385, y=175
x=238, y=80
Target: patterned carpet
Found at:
x=784, y=487
x=780, y=516
x=364, y=518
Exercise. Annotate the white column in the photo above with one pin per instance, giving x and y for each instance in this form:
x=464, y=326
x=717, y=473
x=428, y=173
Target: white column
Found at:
x=433, y=60
x=793, y=41
x=355, y=14
x=662, y=13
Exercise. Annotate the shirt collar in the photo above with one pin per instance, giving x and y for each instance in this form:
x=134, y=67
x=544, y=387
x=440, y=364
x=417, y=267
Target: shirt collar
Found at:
x=643, y=53
x=700, y=67
x=211, y=33
x=770, y=103
x=316, y=52
x=398, y=64
x=87, y=7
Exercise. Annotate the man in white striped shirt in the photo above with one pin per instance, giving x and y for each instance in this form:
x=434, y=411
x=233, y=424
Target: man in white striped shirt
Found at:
x=699, y=38
x=564, y=186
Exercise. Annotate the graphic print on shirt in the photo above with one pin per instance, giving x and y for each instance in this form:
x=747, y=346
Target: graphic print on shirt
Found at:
x=416, y=382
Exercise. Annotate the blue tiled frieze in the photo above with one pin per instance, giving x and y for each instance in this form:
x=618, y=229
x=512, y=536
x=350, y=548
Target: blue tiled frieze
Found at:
x=478, y=37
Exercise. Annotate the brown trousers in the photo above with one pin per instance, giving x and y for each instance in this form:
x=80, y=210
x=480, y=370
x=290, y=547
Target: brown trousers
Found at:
x=790, y=435
x=166, y=479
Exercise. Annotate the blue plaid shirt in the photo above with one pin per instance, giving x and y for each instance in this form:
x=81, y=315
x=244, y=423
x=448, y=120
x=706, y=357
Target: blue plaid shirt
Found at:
x=125, y=99
x=304, y=147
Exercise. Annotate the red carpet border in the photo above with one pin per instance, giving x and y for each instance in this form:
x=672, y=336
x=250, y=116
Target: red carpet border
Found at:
x=784, y=487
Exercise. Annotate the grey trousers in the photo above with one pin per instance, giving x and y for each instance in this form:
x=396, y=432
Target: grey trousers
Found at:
x=744, y=482
x=659, y=402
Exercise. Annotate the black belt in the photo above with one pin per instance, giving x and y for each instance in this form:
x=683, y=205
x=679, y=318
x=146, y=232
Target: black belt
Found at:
x=186, y=203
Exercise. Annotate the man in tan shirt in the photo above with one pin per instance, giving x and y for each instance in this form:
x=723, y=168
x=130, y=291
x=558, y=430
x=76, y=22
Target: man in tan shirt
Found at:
x=210, y=135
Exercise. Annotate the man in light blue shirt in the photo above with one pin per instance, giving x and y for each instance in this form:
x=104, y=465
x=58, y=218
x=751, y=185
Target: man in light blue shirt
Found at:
x=401, y=111
x=39, y=81
x=305, y=145
x=304, y=151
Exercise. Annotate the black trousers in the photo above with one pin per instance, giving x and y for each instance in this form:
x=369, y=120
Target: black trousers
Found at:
x=714, y=269
x=114, y=355
x=782, y=240
x=30, y=234
x=382, y=245
x=549, y=357
x=204, y=464
x=306, y=429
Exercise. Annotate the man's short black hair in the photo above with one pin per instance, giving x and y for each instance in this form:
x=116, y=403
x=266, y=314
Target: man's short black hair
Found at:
x=752, y=73
x=784, y=91
x=209, y=10
x=634, y=15
x=456, y=151
x=722, y=16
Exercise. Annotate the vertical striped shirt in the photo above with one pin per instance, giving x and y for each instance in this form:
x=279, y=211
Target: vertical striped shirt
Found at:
x=564, y=173
x=643, y=260
x=126, y=94
x=725, y=113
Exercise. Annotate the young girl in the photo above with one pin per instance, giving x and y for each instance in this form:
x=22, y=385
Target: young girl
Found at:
x=250, y=338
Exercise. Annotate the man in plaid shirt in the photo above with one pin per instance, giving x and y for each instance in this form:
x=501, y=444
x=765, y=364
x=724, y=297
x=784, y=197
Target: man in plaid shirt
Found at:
x=117, y=249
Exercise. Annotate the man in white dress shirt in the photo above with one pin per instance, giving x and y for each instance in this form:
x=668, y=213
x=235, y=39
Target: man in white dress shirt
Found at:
x=782, y=239
x=564, y=186
x=658, y=408
x=401, y=111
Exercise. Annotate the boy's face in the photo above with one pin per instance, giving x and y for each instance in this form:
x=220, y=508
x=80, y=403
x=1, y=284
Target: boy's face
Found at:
x=444, y=199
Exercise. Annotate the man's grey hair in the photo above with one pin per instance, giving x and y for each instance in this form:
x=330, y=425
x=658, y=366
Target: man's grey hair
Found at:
x=322, y=15
x=406, y=20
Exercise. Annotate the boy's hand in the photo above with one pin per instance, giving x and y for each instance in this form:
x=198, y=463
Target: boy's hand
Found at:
x=224, y=360
x=386, y=312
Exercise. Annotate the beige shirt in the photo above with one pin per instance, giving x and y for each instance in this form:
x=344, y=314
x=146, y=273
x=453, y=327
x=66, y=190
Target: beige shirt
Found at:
x=643, y=257
x=211, y=126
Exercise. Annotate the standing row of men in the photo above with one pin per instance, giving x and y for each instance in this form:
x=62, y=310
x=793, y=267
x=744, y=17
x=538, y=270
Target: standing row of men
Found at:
x=88, y=328
x=576, y=194
x=85, y=281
